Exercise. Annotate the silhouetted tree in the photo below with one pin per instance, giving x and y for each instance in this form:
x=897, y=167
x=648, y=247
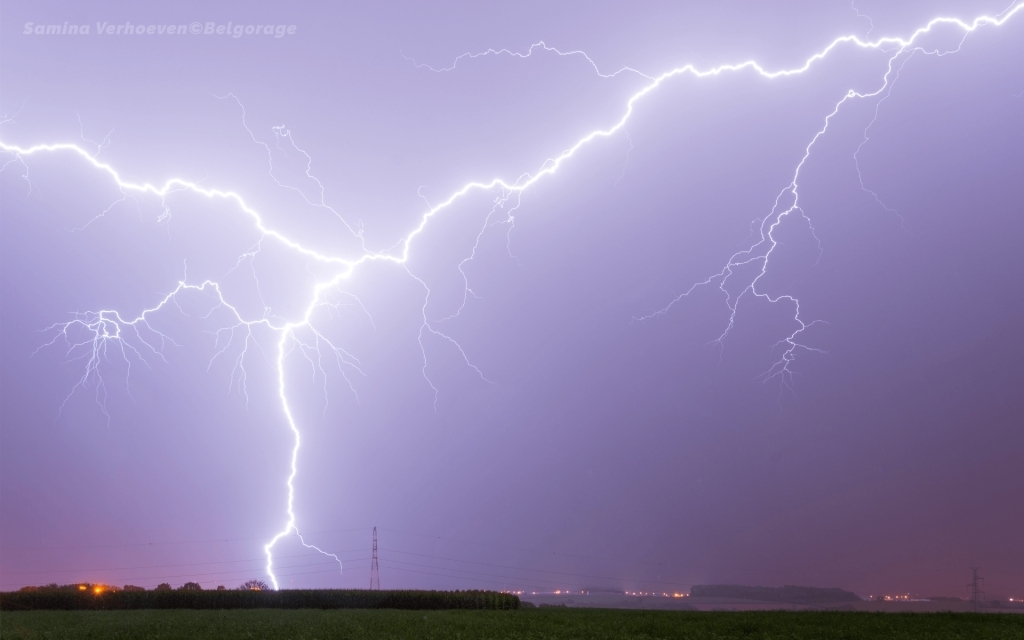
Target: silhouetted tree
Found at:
x=190, y=586
x=254, y=585
x=132, y=587
x=163, y=586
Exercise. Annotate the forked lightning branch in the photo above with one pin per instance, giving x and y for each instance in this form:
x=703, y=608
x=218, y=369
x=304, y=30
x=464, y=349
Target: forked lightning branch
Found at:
x=99, y=334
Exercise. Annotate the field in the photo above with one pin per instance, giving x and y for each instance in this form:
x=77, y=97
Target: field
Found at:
x=596, y=624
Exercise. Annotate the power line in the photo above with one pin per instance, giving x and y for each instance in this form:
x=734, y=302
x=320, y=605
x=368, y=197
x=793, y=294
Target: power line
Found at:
x=541, y=552
x=374, y=566
x=332, y=570
x=503, y=566
x=155, y=544
x=233, y=571
x=558, y=577
x=164, y=566
x=531, y=579
x=465, y=579
x=604, y=558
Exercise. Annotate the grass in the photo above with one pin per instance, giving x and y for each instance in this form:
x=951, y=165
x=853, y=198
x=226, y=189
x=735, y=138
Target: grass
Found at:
x=589, y=624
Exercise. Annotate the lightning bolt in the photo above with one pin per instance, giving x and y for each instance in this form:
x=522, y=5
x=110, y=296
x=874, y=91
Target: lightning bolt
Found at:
x=759, y=253
x=529, y=52
x=94, y=336
x=871, y=23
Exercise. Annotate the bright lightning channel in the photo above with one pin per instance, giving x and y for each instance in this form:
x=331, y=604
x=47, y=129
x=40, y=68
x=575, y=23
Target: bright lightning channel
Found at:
x=110, y=330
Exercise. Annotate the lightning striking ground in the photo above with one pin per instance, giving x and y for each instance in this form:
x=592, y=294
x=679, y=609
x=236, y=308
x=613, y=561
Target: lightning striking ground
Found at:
x=93, y=336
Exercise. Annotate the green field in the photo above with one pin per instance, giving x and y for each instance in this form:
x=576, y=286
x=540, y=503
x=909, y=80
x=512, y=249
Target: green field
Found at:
x=596, y=624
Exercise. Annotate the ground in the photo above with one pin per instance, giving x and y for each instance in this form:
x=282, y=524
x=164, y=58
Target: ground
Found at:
x=554, y=623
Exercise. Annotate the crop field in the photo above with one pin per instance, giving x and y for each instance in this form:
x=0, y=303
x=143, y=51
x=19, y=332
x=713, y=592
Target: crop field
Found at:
x=554, y=623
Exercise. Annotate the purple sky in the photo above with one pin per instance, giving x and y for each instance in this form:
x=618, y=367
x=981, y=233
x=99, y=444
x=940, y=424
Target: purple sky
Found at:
x=534, y=422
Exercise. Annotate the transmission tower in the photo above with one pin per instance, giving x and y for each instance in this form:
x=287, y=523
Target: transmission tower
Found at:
x=975, y=583
x=374, y=570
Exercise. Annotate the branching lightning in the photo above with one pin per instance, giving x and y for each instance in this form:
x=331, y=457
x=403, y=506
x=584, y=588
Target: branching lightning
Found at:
x=529, y=52
x=759, y=254
x=96, y=336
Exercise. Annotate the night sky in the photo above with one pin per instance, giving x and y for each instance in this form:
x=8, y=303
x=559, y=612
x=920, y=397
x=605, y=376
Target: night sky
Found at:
x=520, y=386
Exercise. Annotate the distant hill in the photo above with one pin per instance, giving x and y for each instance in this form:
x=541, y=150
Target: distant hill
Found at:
x=789, y=593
